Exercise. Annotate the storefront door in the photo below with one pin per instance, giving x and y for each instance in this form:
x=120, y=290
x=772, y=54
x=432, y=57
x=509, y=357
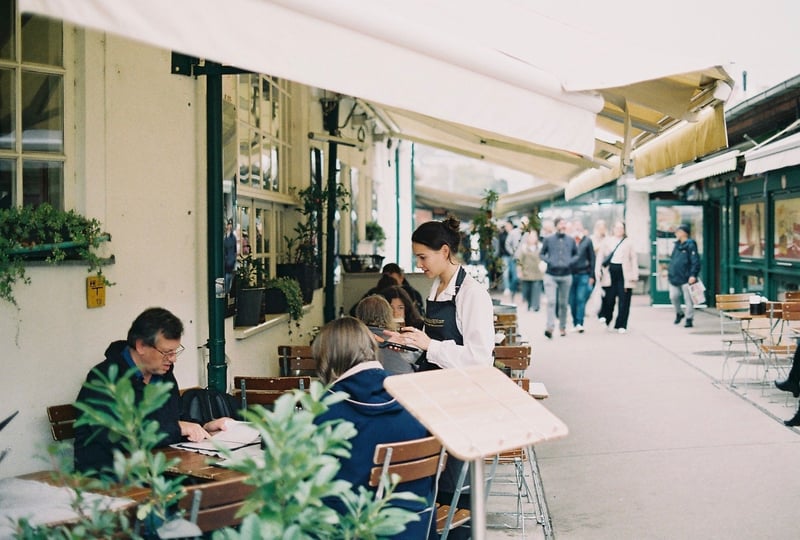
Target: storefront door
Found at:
x=665, y=216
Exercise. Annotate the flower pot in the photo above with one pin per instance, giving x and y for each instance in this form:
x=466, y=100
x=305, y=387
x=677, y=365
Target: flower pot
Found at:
x=306, y=275
x=248, y=307
x=275, y=301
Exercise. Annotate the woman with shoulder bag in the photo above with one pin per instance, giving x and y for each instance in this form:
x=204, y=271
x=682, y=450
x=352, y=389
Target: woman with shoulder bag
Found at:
x=617, y=273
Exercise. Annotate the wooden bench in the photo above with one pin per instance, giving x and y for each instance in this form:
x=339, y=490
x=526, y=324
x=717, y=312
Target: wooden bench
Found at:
x=62, y=421
x=296, y=360
x=266, y=390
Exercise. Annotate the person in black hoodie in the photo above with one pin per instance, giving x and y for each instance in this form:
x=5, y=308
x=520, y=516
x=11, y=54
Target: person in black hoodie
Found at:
x=684, y=267
x=582, y=275
x=346, y=356
x=152, y=347
x=559, y=252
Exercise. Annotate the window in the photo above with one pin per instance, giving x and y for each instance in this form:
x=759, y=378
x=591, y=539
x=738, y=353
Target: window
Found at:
x=256, y=150
x=751, y=230
x=787, y=229
x=31, y=109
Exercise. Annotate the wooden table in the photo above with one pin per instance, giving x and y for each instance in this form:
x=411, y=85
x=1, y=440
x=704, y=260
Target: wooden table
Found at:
x=748, y=335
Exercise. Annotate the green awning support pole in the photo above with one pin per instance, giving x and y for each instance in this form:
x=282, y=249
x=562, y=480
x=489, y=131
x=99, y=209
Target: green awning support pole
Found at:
x=330, y=120
x=217, y=369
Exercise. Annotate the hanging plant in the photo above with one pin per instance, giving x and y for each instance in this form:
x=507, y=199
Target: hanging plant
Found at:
x=374, y=233
x=47, y=234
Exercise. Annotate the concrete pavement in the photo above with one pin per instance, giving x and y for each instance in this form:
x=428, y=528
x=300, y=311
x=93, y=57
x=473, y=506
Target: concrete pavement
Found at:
x=657, y=447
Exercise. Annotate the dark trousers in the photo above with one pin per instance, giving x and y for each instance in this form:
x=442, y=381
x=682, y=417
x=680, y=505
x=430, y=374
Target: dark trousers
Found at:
x=616, y=291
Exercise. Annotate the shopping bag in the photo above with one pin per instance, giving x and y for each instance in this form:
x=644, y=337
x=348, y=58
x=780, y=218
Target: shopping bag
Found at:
x=697, y=292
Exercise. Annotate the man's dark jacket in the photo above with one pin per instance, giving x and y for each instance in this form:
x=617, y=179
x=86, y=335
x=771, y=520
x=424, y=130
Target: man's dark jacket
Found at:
x=560, y=253
x=97, y=453
x=584, y=262
x=684, y=263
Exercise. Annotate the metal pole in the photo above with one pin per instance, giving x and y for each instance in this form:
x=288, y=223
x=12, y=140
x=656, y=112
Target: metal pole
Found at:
x=478, y=487
x=330, y=120
x=217, y=369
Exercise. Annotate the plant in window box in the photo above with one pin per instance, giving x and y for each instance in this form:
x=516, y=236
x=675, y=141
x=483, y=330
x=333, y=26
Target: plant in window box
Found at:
x=283, y=295
x=44, y=233
x=249, y=291
x=303, y=259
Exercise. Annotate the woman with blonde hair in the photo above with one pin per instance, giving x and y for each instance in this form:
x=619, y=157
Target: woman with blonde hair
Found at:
x=617, y=271
x=376, y=313
x=347, y=360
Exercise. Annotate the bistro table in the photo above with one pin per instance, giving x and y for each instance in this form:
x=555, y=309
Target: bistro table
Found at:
x=755, y=336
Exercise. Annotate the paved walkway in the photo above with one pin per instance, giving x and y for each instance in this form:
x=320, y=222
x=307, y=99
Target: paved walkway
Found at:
x=657, y=448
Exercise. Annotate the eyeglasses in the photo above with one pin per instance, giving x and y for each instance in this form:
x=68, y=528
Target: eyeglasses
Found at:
x=170, y=354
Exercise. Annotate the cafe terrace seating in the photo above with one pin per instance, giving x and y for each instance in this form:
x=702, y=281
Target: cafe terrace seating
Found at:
x=266, y=390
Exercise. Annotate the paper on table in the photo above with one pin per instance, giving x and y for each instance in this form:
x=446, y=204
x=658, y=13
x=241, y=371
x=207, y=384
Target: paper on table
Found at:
x=235, y=435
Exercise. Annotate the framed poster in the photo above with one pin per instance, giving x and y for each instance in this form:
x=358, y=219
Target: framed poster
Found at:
x=751, y=230
x=787, y=229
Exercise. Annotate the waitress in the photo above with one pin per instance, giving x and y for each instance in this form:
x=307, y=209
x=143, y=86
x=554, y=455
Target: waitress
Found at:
x=459, y=321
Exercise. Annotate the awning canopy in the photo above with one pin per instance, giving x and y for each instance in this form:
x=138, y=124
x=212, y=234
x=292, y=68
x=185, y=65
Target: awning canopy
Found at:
x=509, y=84
x=773, y=156
x=684, y=174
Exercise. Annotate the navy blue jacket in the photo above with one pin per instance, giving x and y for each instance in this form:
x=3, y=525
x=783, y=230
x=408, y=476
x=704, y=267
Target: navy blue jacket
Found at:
x=684, y=263
x=378, y=418
x=97, y=454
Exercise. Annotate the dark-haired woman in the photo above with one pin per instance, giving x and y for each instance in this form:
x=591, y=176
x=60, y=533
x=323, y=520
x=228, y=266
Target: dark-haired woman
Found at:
x=459, y=322
x=403, y=308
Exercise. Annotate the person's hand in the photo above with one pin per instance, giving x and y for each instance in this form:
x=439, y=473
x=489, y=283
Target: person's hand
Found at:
x=692, y=279
x=218, y=424
x=591, y=282
x=415, y=337
x=193, y=432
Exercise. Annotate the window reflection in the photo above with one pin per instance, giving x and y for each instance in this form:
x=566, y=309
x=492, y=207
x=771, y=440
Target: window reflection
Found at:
x=42, y=112
x=41, y=182
x=7, y=131
x=41, y=40
x=6, y=183
x=7, y=38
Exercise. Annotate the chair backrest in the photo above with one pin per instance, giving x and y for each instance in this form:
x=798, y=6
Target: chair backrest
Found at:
x=791, y=296
x=506, y=323
x=410, y=460
x=516, y=357
x=62, y=421
x=296, y=360
x=266, y=390
x=214, y=505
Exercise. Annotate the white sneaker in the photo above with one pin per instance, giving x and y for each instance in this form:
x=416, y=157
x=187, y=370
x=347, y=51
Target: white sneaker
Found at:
x=578, y=328
x=602, y=320
x=622, y=330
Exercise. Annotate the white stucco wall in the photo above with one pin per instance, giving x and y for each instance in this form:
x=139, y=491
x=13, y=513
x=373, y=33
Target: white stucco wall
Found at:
x=139, y=166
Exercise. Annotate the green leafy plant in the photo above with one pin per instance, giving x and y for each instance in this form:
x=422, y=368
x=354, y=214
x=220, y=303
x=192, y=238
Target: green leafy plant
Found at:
x=374, y=233
x=304, y=246
x=135, y=465
x=291, y=290
x=296, y=474
x=250, y=272
x=45, y=233
x=485, y=228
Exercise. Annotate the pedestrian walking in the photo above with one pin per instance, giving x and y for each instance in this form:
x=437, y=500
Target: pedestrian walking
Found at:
x=529, y=270
x=684, y=267
x=582, y=275
x=617, y=272
x=559, y=252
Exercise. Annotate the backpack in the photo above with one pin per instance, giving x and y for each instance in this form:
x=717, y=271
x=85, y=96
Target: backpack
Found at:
x=202, y=405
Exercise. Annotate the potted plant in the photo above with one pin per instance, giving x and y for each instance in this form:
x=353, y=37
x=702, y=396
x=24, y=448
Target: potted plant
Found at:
x=484, y=227
x=249, y=291
x=283, y=295
x=44, y=233
x=303, y=260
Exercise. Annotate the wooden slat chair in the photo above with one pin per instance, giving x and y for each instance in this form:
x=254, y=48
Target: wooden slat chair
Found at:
x=296, y=360
x=62, y=421
x=507, y=324
x=779, y=347
x=214, y=505
x=731, y=334
x=414, y=460
x=266, y=390
x=516, y=357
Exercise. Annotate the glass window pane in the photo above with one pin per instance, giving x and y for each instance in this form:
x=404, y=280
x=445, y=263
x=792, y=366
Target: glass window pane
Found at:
x=266, y=106
x=7, y=132
x=7, y=19
x=41, y=40
x=43, y=181
x=276, y=167
x=259, y=240
x=255, y=159
x=7, y=167
x=42, y=112
x=266, y=164
x=244, y=157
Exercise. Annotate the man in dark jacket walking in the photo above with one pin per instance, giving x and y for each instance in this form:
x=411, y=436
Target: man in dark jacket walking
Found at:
x=684, y=267
x=560, y=253
x=582, y=275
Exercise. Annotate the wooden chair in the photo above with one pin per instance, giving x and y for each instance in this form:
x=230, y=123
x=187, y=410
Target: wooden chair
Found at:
x=415, y=460
x=518, y=478
x=266, y=390
x=506, y=323
x=516, y=357
x=296, y=360
x=730, y=327
x=214, y=505
x=791, y=296
x=779, y=347
x=62, y=421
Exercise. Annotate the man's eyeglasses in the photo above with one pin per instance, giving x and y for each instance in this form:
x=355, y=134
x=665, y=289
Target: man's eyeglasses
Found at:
x=170, y=354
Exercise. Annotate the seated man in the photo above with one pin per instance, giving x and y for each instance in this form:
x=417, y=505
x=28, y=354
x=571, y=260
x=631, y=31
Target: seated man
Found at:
x=153, y=346
x=346, y=356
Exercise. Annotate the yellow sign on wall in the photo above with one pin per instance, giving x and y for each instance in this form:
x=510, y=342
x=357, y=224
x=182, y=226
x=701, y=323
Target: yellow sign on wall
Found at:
x=95, y=292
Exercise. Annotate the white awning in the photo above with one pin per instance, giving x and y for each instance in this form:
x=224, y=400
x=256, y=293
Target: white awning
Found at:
x=773, y=156
x=490, y=82
x=682, y=175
